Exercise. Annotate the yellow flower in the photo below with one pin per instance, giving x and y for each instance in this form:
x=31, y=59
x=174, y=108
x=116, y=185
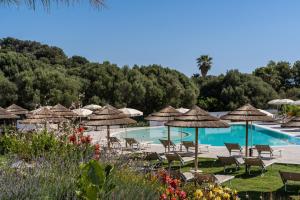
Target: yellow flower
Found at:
x=218, y=198
x=226, y=196
x=198, y=194
x=211, y=195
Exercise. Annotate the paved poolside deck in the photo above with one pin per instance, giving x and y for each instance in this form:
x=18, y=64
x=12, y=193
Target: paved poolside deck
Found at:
x=290, y=153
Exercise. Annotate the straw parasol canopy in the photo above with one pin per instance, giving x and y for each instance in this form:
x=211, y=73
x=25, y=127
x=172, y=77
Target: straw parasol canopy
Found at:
x=108, y=116
x=62, y=111
x=131, y=112
x=247, y=113
x=293, y=123
x=166, y=114
x=182, y=110
x=197, y=118
x=81, y=112
x=42, y=116
x=16, y=110
x=39, y=109
x=266, y=112
x=92, y=107
x=4, y=114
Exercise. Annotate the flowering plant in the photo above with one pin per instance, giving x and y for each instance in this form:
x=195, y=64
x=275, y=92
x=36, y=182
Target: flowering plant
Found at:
x=215, y=192
x=171, y=189
x=80, y=140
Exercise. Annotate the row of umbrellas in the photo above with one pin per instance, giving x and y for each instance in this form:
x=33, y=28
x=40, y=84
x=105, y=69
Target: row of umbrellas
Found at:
x=14, y=112
x=109, y=115
x=198, y=118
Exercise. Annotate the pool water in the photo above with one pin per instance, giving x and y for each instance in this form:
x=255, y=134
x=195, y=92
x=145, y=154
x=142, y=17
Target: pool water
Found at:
x=214, y=136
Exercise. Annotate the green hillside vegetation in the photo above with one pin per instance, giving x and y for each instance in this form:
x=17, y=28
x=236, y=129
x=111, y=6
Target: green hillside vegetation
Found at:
x=33, y=74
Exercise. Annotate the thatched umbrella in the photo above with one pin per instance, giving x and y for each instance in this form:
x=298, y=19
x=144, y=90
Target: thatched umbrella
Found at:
x=197, y=118
x=293, y=123
x=92, y=107
x=63, y=111
x=108, y=116
x=246, y=113
x=5, y=115
x=164, y=115
x=17, y=110
x=131, y=112
x=42, y=116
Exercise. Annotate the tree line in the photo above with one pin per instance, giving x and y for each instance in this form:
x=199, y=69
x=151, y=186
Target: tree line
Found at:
x=34, y=74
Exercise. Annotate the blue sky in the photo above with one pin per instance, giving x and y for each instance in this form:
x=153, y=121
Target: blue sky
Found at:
x=237, y=34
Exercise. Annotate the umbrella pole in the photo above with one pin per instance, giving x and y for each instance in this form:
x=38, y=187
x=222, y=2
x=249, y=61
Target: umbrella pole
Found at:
x=196, y=150
x=169, y=139
x=246, y=146
x=180, y=139
x=108, y=136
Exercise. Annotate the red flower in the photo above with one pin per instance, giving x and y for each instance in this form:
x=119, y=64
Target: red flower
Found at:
x=80, y=130
x=88, y=139
x=83, y=139
x=173, y=198
x=163, y=196
x=174, y=183
x=72, y=138
x=170, y=190
x=97, y=147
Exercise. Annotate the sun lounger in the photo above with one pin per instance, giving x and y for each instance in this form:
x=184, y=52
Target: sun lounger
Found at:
x=258, y=162
x=289, y=176
x=133, y=144
x=115, y=142
x=212, y=178
x=165, y=143
x=154, y=161
x=176, y=158
x=266, y=149
x=230, y=161
x=234, y=147
x=184, y=177
x=191, y=144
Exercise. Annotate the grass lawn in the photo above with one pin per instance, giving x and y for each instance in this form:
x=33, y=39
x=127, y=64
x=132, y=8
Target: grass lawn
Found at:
x=254, y=184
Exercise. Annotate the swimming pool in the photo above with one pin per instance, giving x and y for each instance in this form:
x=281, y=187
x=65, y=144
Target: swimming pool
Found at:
x=215, y=136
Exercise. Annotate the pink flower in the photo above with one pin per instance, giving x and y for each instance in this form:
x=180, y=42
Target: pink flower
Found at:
x=182, y=195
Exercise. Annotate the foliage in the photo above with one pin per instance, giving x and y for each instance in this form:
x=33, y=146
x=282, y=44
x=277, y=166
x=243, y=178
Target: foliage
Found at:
x=131, y=185
x=232, y=90
x=95, y=181
x=292, y=110
x=30, y=145
x=34, y=74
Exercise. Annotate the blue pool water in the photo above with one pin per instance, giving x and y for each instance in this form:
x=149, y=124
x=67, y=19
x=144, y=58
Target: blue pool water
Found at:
x=215, y=136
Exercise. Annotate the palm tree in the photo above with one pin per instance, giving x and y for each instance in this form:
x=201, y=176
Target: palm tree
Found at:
x=204, y=63
x=47, y=3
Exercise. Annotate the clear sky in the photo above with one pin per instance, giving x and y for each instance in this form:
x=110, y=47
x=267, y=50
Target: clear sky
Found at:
x=241, y=34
